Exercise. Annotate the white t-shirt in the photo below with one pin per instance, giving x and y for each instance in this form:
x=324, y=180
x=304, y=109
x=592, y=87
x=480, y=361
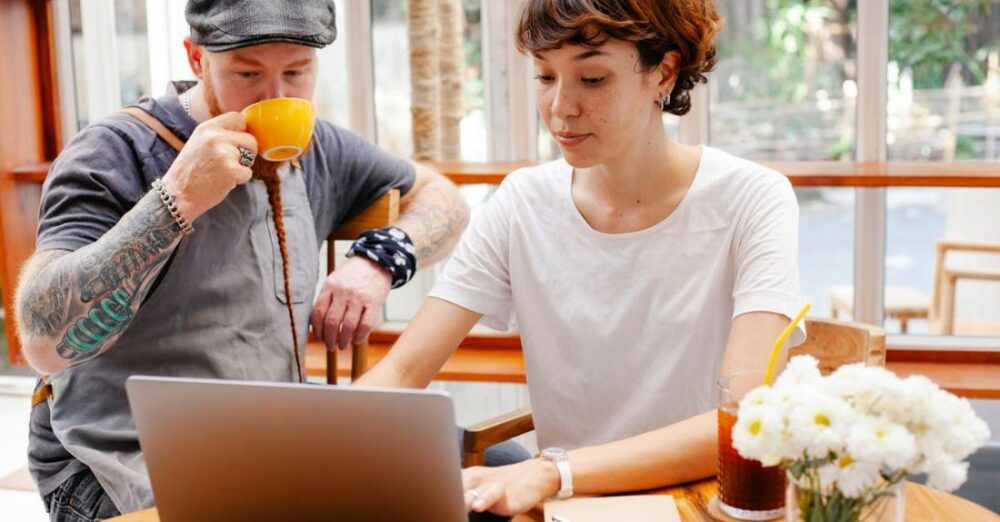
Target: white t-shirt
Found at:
x=624, y=333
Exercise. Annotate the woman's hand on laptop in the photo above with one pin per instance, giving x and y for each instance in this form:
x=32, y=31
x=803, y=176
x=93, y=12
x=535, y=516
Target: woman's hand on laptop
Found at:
x=509, y=490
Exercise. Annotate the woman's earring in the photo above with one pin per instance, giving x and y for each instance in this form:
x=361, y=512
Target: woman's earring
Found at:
x=664, y=102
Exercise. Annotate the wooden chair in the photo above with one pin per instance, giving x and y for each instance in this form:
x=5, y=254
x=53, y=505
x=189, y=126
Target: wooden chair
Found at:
x=905, y=304
x=942, y=310
x=833, y=342
x=382, y=213
x=902, y=303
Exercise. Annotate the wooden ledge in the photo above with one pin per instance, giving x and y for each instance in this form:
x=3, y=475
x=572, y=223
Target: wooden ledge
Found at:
x=31, y=173
x=468, y=363
x=498, y=358
x=800, y=173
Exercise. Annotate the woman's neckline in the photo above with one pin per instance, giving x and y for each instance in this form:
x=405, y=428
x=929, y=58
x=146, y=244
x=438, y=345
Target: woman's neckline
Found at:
x=579, y=218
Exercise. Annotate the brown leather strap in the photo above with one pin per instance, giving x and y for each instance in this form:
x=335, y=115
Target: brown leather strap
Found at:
x=153, y=123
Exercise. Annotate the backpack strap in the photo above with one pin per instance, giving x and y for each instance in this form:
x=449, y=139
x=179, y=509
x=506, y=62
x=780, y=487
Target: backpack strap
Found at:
x=156, y=126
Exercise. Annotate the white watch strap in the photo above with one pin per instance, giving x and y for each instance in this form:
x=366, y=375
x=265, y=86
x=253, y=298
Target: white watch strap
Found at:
x=565, y=478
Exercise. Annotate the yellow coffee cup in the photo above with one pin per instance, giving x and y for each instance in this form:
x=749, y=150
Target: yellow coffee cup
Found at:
x=282, y=126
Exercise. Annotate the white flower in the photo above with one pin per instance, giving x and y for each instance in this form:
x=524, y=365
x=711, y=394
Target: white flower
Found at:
x=801, y=370
x=869, y=389
x=921, y=407
x=828, y=475
x=819, y=424
x=757, y=434
x=846, y=430
x=879, y=441
x=856, y=477
x=948, y=476
x=766, y=396
x=966, y=432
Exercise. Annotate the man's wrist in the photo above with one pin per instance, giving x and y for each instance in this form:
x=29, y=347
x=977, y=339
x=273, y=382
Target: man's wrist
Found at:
x=384, y=274
x=391, y=248
x=184, y=205
x=169, y=202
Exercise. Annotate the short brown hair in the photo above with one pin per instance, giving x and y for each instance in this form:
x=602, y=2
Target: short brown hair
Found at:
x=655, y=27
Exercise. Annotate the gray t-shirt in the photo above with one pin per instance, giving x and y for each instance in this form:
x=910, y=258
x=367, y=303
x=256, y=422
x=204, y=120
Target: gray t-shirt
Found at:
x=218, y=310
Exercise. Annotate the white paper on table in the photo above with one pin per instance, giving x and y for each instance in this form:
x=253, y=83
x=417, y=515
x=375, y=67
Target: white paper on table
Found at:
x=633, y=508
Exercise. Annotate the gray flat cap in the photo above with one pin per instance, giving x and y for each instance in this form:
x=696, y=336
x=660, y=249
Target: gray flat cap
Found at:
x=224, y=25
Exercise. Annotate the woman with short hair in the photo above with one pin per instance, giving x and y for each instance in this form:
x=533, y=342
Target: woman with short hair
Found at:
x=638, y=269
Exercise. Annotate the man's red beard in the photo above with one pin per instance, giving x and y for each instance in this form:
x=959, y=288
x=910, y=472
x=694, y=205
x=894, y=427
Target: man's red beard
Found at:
x=267, y=171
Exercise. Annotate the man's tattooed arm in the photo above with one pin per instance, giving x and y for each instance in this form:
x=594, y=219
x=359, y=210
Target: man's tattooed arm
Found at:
x=72, y=306
x=434, y=215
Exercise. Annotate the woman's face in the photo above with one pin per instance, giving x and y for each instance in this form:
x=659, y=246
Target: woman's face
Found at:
x=597, y=102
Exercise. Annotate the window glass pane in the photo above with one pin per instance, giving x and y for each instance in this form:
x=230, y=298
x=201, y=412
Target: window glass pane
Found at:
x=920, y=220
x=79, y=63
x=132, y=61
x=826, y=246
x=784, y=88
x=133, y=52
x=331, y=81
x=944, y=80
x=392, y=80
x=943, y=105
x=785, y=84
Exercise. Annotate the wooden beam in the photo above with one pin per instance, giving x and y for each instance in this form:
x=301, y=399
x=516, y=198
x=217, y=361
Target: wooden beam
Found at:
x=498, y=358
x=801, y=173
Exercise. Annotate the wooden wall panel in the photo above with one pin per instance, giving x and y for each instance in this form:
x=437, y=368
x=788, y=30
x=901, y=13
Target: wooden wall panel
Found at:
x=29, y=135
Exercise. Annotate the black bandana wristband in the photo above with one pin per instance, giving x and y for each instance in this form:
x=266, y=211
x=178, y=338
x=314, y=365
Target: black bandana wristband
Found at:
x=391, y=248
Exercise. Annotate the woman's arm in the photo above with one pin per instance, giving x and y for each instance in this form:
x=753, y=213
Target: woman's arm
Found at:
x=681, y=452
x=425, y=345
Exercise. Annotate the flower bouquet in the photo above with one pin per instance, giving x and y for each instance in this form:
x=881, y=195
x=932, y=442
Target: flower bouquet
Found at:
x=847, y=441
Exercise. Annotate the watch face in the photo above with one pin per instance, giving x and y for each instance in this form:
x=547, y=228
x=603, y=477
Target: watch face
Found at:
x=553, y=452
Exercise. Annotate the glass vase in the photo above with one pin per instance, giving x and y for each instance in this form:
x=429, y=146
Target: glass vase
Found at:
x=807, y=505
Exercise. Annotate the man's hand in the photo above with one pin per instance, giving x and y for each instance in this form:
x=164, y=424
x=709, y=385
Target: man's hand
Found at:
x=509, y=490
x=208, y=167
x=350, y=301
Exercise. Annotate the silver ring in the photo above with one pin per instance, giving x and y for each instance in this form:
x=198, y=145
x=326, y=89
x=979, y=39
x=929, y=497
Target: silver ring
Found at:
x=246, y=157
x=474, y=494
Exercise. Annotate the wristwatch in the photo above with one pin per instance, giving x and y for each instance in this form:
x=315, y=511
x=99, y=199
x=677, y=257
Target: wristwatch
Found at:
x=559, y=457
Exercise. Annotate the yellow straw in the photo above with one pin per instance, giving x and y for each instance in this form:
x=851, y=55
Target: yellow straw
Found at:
x=781, y=340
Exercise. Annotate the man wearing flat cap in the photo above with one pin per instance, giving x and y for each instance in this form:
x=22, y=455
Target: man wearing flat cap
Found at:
x=203, y=262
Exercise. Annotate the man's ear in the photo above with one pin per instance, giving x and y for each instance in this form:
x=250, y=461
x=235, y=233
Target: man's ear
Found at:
x=195, y=53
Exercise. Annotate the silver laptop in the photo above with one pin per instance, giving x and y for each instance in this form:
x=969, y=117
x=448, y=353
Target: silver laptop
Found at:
x=229, y=450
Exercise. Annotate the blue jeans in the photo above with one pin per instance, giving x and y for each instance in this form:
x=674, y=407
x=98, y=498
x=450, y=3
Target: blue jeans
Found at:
x=80, y=499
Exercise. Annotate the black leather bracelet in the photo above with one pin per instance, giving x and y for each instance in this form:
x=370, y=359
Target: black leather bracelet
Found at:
x=390, y=247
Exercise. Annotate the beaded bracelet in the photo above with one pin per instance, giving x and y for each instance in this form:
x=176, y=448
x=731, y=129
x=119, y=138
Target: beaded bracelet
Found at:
x=391, y=248
x=171, y=203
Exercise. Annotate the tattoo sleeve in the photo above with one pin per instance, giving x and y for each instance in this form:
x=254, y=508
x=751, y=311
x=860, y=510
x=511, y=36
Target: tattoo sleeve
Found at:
x=77, y=304
x=434, y=219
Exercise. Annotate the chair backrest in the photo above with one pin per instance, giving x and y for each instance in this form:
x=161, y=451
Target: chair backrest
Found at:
x=380, y=214
x=836, y=343
x=942, y=312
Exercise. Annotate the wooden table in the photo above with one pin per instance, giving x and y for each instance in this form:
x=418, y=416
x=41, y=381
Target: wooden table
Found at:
x=922, y=505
